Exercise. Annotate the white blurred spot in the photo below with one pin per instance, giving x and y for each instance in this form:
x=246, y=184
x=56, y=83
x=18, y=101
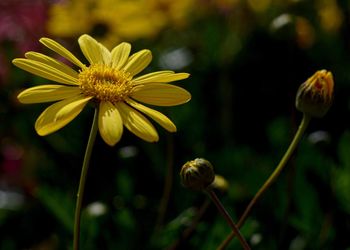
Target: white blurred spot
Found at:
x=10, y=199
x=96, y=209
x=176, y=59
x=255, y=239
x=319, y=136
x=128, y=152
x=281, y=21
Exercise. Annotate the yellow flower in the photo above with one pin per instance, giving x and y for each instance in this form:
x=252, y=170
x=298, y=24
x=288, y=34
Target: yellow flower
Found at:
x=175, y=14
x=331, y=15
x=62, y=23
x=315, y=96
x=105, y=19
x=110, y=80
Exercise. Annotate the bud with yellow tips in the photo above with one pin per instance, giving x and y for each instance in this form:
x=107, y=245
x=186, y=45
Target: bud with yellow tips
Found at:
x=315, y=96
x=197, y=174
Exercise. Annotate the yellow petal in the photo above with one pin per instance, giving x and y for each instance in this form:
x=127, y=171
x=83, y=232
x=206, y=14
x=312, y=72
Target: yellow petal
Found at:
x=160, y=76
x=59, y=49
x=120, y=55
x=45, y=71
x=60, y=114
x=51, y=62
x=47, y=93
x=161, y=119
x=138, y=61
x=137, y=123
x=161, y=94
x=110, y=123
x=94, y=51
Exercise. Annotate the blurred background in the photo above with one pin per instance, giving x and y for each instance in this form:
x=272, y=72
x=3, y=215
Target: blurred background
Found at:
x=247, y=59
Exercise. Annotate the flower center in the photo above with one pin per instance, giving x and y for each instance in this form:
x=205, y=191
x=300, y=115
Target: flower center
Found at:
x=105, y=83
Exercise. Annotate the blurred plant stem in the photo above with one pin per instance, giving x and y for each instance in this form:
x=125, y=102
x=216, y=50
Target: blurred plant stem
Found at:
x=298, y=135
x=82, y=181
x=167, y=184
x=228, y=218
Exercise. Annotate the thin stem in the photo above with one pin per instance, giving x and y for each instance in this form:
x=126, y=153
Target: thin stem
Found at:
x=298, y=135
x=228, y=218
x=82, y=181
x=167, y=185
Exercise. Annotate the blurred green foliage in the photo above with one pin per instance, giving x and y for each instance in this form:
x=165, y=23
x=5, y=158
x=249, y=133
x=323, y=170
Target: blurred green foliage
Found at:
x=245, y=67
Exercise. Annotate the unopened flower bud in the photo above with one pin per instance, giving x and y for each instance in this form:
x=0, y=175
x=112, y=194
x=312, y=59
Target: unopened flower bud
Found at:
x=315, y=96
x=197, y=174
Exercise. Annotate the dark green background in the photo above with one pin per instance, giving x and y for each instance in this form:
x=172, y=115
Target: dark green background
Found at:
x=244, y=77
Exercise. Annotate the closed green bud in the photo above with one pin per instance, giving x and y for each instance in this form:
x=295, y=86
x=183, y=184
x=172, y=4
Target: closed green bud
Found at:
x=197, y=174
x=315, y=96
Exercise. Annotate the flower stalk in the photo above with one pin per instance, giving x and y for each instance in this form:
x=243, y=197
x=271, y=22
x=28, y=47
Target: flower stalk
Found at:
x=169, y=177
x=314, y=98
x=199, y=175
x=84, y=170
x=226, y=215
x=297, y=137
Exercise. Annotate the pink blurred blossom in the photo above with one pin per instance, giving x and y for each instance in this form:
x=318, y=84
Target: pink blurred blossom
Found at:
x=22, y=22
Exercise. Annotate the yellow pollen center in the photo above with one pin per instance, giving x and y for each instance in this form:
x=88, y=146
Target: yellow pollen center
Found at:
x=105, y=83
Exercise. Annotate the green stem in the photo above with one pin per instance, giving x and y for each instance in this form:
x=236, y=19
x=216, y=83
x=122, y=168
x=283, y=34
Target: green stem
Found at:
x=167, y=185
x=298, y=135
x=82, y=181
x=228, y=218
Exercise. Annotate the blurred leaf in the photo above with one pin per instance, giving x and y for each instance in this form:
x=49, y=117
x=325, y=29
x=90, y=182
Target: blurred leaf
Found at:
x=59, y=204
x=215, y=233
x=279, y=132
x=343, y=150
x=125, y=219
x=342, y=174
x=172, y=231
x=125, y=184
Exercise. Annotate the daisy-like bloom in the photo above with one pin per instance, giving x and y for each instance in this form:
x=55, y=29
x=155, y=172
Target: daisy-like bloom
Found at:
x=110, y=80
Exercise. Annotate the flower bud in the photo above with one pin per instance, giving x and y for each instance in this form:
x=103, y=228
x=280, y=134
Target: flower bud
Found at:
x=315, y=96
x=197, y=174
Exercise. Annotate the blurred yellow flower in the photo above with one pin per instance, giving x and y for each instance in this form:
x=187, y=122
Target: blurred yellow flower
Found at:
x=106, y=19
x=173, y=13
x=330, y=15
x=220, y=183
x=62, y=23
x=109, y=81
x=259, y=5
x=304, y=32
